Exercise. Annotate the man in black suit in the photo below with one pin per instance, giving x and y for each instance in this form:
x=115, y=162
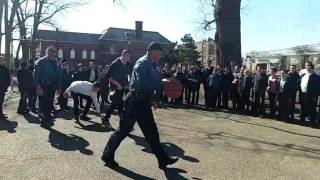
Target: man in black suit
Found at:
x=260, y=83
x=292, y=88
x=309, y=86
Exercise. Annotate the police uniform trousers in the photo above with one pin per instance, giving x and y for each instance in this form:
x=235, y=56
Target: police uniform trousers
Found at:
x=140, y=112
x=116, y=102
x=46, y=102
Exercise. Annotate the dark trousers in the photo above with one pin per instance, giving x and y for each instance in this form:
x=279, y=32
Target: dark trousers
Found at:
x=206, y=95
x=292, y=104
x=197, y=94
x=259, y=104
x=2, y=94
x=23, y=105
x=46, y=103
x=283, y=107
x=116, y=102
x=308, y=107
x=272, y=103
x=76, y=100
x=141, y=113
x=213, y=98
x=225, y=98
x=235, y=97
x=190, y=96
x=32, y=95
x=62, y=100
x=244, y=101
x=104, y=96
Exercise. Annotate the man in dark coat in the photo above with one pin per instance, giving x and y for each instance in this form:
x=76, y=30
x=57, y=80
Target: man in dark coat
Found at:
x=260, y=84
x=205, y=73
x=5, y=82
x=227, y=82
x=25, y=79
x=66, y=82
x=292, y=88
x=309, y=86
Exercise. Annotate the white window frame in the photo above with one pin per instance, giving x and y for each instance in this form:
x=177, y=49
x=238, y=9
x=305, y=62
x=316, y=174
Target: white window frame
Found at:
x=84, y=54
x=60, y=53
x=93, y=55
x=72, y=54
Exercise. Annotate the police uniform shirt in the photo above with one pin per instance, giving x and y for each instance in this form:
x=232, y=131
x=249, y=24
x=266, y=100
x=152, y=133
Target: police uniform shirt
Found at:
x=84, y=88
x=48, y=72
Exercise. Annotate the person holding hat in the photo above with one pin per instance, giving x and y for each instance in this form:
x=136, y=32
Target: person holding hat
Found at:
x=118, y=75
x=4, y=84
x=137, y=108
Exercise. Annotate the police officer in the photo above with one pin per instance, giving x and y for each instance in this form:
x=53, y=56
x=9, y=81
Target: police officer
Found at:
x=4, y=84
x=138, y=103
x=48, y=80
x=118, y=76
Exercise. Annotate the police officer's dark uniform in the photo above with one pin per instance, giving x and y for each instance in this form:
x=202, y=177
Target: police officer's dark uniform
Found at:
x=4, y=84
x=120, y=72
x=145, y=79
x=48, y=77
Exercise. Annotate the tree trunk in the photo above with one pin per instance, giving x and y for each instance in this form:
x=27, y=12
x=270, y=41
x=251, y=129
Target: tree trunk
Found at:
x=1, y=15
x=228, y=31
x=7, y=31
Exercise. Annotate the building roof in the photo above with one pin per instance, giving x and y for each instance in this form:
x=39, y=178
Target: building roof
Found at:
x=119, y=34
x=298, y=50
x=68, y=36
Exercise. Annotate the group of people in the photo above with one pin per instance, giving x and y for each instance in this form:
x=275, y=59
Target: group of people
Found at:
x=240, y=90
x=131, y=88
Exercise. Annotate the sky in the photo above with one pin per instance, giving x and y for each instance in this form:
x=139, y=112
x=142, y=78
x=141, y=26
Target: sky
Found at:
x=266, y=24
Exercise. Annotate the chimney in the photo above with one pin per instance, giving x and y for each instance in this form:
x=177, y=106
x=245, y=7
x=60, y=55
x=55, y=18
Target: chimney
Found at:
x=139, y=30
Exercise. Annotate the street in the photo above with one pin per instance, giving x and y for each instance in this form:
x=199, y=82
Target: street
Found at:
x=210, y=145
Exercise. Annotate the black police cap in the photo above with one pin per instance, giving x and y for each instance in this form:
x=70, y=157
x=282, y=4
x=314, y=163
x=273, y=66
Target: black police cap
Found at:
x=155, y=46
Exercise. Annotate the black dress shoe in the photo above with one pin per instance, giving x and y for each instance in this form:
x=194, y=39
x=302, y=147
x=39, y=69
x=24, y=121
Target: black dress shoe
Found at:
x=169, y=162
x=105, y=122
x=84, y=117
x=109, y=162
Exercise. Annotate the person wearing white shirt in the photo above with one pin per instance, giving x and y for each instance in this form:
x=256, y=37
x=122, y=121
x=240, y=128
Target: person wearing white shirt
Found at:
x=309, y=86
x=87, y=91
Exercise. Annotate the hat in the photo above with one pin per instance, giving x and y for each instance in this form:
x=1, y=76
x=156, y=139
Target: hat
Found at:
x=154, y=46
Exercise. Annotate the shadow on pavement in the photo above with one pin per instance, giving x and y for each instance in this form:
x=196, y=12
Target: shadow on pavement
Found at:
x=94, y=127
x=9, y=126
x=174, y=173
x=67, y=115
x=130, y=174
x=32, y=119
x=70, y=142
x=171, y=149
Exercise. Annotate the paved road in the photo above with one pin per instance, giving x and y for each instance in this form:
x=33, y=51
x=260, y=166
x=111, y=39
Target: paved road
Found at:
x=210, y=146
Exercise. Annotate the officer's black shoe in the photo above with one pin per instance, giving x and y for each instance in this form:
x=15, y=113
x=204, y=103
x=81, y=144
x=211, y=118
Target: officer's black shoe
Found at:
x=105, y=122
x=169, y=162
x=109, y=162
x=77, y=119
x=3, y=116
x=84, y=117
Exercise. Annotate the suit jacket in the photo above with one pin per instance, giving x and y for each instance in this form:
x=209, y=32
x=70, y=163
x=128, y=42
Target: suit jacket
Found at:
x=245, y=84
x=313, y=87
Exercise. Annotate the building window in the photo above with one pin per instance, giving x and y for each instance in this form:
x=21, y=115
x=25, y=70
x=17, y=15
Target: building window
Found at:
x=84, y=54
x=60, y=53
x=72, y=54
x=93, y=55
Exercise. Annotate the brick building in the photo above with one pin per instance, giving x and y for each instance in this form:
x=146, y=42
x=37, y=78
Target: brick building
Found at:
x=101, y=48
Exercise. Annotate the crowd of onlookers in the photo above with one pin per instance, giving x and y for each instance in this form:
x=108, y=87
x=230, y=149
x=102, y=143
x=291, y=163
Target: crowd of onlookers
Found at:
x=243, y=91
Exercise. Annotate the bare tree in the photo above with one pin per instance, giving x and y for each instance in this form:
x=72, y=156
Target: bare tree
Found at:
x=226, y=17
x=45, y=12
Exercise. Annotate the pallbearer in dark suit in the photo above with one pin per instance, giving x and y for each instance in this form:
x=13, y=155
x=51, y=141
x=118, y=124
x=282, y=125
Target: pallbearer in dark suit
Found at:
x=245, y=85
x=293, y=87
x=283, y=97
x=309, y=85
